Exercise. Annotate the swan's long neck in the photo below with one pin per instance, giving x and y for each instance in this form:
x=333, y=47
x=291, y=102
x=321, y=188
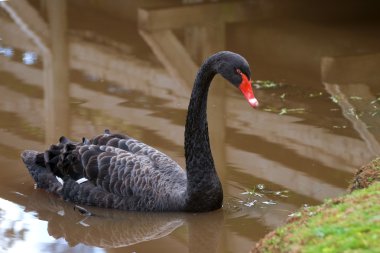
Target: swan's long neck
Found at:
x=204, y=190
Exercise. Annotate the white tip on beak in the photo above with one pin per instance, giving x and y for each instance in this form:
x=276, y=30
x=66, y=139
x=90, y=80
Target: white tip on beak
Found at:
x=253, y=102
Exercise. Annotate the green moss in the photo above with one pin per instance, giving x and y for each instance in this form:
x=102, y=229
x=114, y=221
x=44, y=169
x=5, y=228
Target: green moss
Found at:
x=347, y=224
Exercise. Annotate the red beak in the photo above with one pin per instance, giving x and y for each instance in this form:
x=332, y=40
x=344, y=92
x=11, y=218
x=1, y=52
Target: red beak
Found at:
x=246, y=87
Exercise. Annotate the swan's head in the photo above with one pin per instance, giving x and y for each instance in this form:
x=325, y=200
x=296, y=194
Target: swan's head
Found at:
x=235, y=69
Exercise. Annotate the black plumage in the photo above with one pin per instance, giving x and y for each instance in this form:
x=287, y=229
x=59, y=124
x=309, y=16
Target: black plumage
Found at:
x=117, y=171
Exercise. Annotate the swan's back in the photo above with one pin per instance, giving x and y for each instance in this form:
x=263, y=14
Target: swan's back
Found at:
x=111, y=170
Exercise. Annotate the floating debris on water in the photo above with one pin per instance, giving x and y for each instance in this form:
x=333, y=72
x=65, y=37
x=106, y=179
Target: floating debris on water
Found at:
x=252, y=192
x=260, y=186
x=286, y=110
x=251, y=203
x=283, y=111
x=313, y=95
x=269, y=202
x=356, y=98
x=279, y=193
x=265, y=84
x=258, y=196
x=335, y=99
x=19, y=193
x=84, y=224
x=375, y=101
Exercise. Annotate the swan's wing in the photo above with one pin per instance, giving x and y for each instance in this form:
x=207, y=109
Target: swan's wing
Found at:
x=121, y=172
x=134, y=146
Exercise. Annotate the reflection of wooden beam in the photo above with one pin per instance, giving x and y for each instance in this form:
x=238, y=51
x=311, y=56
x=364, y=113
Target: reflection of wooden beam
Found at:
x=351, y=69
x=281, y=175
x=23, y=72
x=53, y=45
x=171, y=53
x=56, y=79
x=125, y=70
x=339, y=152
x=143, y=117
x=349, y=113
x=352, y=76
x=11, y=35
x=190, y=15
x=29, y=21
x=25, y=107
x=265, y=169
x=102, y=62
x=206, y=23
x=17, y=142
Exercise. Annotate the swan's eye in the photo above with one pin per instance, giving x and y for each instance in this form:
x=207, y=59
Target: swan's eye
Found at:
x=238, y=71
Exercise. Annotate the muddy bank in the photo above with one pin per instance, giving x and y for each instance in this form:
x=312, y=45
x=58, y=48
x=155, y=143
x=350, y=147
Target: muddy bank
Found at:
x=366, y=175
x=348, y=223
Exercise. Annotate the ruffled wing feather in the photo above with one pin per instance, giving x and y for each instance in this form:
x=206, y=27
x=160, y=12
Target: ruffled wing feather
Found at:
x=122, y=173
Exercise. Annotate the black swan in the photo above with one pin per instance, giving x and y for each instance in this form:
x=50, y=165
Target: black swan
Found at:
x=117, y=171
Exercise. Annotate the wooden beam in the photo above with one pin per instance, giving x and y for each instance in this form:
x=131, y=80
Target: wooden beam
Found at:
x=191, y=15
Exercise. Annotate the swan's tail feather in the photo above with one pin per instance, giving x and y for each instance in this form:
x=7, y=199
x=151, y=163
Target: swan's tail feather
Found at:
x=44, y=178
x=60, y=160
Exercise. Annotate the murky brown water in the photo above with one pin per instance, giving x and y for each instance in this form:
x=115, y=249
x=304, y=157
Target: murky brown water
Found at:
x=78, y=68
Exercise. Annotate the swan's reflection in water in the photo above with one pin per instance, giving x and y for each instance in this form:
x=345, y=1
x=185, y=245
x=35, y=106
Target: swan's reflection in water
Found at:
x=108, y=228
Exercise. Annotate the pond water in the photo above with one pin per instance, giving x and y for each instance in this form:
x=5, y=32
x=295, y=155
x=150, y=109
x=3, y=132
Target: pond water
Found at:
x=75, y=68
